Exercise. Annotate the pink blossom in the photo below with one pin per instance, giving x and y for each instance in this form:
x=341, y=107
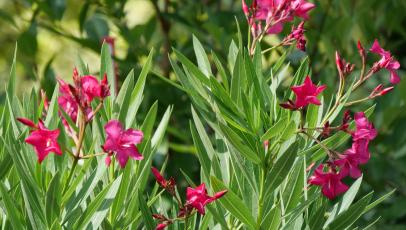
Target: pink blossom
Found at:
x=122, y=142
x=364, y=129
x=330, y=182
x=278, y=12
x=198, y=198
x=305, y=94
x=42, y=139
x=349, y=163
x=66, y=100
x=91, y=88
x=387, y=61
x=302, y=8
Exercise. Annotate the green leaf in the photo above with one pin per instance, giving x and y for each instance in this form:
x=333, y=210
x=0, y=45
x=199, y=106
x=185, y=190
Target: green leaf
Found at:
x=146, y=213
x=106, y=67
x=378, y=201
x=275, y=130
x=238, y=143
x=12, y=80
x=345, y=202
x=123, y=97
x=160, y=131
x=201, y=57
x=281, y=169
x=10, y=208
x=53, y=199
x=98, y=208
x=348, y=217
x=233, y=204
x=272, y=219
x=136, y=95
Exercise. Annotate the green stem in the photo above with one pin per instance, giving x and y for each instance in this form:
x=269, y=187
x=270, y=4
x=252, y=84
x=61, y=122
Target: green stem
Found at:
x=261, y=197
x=357, y=101
x=72, y=170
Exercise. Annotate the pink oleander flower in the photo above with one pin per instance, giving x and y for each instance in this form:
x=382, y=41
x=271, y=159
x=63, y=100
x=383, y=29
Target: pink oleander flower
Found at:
x=348, y=163
x=42, y=139
x=91, y=88
x=387, y=61
x=330, y=182
x=67, y=101
x=364, y=128
x=302, y=8
x=122, y=142
x=305, y=94
x=279, y=12
x=198, y=198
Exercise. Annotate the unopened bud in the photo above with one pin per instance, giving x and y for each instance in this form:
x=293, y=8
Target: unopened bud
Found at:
x=339, y=63
x=386, y=90
x=245, y=8
x=361, y=49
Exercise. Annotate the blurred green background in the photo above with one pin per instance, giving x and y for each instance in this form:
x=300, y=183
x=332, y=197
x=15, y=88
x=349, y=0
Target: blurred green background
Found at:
x=52, y=33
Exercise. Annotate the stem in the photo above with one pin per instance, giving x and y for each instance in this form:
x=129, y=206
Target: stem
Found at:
x=261, y=197
x=72, y=170
x=328, y=151
x=92, y=155
x=357, y=101
x=271, y=48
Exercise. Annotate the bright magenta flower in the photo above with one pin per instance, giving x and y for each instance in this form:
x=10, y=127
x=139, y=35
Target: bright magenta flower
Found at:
x=198, y=198
x=330, y=182
x=281, y=11
x=349, y=163
x=122, y=142
x=387, y=62
x=305, y=94
x=44, y=140
x=302, y=8
x=66, y=100
x=364, y=129
x=91, y=88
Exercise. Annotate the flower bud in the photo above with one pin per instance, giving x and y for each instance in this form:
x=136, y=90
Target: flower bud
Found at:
x=339, y=63
x=245, y=8
x=361, y=49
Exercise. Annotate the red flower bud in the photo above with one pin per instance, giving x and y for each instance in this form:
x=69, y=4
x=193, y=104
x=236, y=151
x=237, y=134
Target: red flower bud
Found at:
x=27, y=122
x=339, y=63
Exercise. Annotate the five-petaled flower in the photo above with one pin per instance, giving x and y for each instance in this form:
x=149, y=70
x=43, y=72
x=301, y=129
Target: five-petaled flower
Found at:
x=330, y=182
x=198, y=198
x=44, y=140
x=122, y=142
x=305, y=94
x=387, y=61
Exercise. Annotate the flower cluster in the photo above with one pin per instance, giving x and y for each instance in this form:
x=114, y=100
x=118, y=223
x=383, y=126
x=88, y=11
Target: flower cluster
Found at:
x=75, y=100
x=196, y=200
x=269, y=17
x=329, y=175
x=80, y=95
x=346, y=164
